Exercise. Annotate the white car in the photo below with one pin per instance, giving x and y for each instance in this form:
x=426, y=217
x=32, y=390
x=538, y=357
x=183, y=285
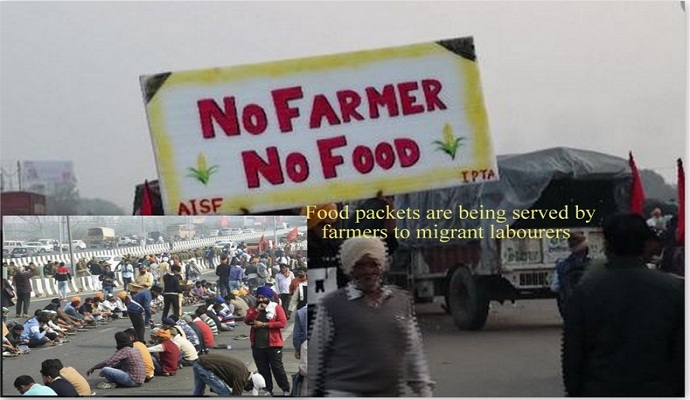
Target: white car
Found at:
x=39, y=247
x=223, y=243
x=235, y=231
x=248, y=230
x=113, y=260
x=78, y=244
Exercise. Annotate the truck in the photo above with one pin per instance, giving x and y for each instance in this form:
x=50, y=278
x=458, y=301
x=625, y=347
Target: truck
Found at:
x=100, y=237
x=180, y=231
x=442, y=262
x=23, y=203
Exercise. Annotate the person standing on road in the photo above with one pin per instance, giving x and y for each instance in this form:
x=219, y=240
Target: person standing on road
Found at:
x=144, y=298
x=124, y=368
x=172, y=291
x=223, y=272
x=299, y=331
x=107, y=279
x=624, y=326
x=192, y=272
x=225, y=375
x=95, y=270
x=7, y=293
x=236, y=275
x=144, y=279
x=283, y=281
x=62, y=276
x=135, y=311
x=344, y=365
x=127, y=272
x=266, y=320
x=22, y=282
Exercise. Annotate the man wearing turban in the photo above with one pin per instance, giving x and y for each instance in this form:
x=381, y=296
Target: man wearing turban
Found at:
x=267, y=319
x=344, y=365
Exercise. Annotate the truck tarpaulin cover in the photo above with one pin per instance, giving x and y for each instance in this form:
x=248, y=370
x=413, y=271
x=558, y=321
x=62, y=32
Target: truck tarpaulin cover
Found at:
x=524, y=178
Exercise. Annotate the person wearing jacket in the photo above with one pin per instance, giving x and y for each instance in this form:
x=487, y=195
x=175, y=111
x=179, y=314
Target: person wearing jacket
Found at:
x=223, y=272
x=624, y=326
x=266, y=321
x=172, y=290
x=62, y=276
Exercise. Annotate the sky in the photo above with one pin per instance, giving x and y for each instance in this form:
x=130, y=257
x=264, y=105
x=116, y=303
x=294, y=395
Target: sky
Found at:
x=603, y=76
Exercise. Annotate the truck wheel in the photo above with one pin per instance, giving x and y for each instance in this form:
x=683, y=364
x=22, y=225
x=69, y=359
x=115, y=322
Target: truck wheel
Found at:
x=467, y=300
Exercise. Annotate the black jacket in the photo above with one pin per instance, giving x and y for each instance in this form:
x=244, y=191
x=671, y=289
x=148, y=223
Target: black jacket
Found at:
x=63, y=388
x=623, y=333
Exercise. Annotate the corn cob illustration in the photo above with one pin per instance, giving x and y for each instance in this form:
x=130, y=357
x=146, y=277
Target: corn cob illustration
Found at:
x=202, y=173
x=450, y=143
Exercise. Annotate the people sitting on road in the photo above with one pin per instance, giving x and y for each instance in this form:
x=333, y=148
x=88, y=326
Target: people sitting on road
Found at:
x=111, y=305
x=188, y=353
x=71, y=310
x=165, y=353
x=206, y=332
x=143, y=350
x=36, y=334
x=201, y=314
x=124, y=368
x=224, y=314
x=51, y=378
x=72, y=375
x=27, y=387
x=87, y=310
x=186, y=330
x=8, y=348
x=240, y=307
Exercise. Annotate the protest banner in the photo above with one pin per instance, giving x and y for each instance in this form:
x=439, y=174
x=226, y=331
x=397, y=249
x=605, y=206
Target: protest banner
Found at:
x=339, y=127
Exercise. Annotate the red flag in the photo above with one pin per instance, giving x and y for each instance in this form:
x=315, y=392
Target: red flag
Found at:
x=680, y=231
x=146, y=203
x=636, y=189
x=292, y=236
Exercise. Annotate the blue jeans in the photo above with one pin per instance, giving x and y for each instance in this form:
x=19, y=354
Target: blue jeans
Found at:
x=234, y=285
x=62, y=289
x=203, y=377
x=118, y=376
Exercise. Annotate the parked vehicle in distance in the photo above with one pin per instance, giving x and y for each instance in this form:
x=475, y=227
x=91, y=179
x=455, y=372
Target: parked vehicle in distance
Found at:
x=124, y=241
x=248, y=230
x=5, y=253
x=221, y=244
x=78, y=244
x=11, y=244
x=100, y=237
x=235, y=231
x=19, y=252
x=180, y=231
x=213, y=233
x=40, y=247
x=225, y=232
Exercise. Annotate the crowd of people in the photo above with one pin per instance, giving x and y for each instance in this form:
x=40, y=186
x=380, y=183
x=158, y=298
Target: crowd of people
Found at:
x=162, y=285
